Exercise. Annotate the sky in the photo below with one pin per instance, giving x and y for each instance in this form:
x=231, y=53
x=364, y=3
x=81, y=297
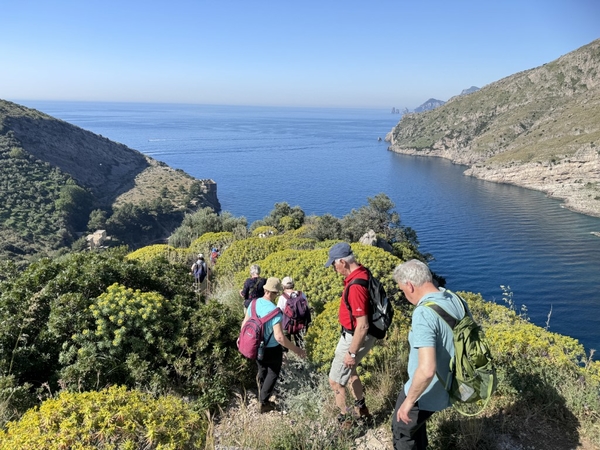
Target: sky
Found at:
x=326, y=53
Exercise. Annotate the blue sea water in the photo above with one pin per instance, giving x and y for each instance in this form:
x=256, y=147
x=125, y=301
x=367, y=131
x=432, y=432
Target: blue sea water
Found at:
x=482, y=235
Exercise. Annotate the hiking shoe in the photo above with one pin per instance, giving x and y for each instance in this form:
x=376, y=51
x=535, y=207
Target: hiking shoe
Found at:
x=362, y=412
x=266, y=407
x=345, y=421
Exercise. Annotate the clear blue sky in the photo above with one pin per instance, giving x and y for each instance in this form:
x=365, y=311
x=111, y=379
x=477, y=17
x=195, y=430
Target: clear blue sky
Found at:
x=377, y=53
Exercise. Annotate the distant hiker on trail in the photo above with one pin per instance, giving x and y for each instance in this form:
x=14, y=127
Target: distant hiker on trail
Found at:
x=253, y=286
x=431, y=347
x=296, y=312
x=199, y=270
x=355, y=342
x=214, y=254
x=269, y=366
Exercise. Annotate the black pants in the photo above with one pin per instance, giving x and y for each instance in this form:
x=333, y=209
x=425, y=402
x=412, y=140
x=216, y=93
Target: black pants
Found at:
x=412, y=435
x=268, y=372
x=295, y=338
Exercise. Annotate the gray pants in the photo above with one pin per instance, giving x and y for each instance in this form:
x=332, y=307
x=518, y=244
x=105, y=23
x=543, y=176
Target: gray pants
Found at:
x=412, y=435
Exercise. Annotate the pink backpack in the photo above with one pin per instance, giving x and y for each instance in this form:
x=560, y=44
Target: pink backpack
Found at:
x=251, y=334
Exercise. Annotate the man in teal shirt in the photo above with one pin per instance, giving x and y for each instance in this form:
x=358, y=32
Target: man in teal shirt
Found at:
x=431, y=348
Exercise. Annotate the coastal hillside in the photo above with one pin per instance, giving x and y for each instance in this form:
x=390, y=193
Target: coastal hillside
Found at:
x=58, y=181
x=538, y=129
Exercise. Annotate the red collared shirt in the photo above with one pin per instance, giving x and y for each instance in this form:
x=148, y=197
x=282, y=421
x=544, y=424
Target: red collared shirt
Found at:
x=358, y=297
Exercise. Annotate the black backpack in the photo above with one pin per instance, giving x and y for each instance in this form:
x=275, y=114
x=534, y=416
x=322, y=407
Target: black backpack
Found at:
x=381, y=310
x=199, y=270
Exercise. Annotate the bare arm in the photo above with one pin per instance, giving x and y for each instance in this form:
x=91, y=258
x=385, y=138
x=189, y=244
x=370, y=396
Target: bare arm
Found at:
x=246, y=317
x=360, y=332
x=280, y=337
x=423, y=376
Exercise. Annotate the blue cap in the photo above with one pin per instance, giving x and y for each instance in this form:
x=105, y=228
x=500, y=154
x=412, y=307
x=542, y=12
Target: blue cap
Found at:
x=340, y=250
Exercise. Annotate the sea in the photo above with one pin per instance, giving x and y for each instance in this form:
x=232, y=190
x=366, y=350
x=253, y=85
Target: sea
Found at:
x=513, y=245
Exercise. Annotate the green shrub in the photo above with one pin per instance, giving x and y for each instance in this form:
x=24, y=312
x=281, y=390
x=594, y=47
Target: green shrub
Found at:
x=15, y=399
x=323, y=335
x=139, y=224
x=131, y=330
x=326, y=227
x=209, y=362
x=302, y=232
x=243, y=253
x=513, y=338
x=203, y=221
x=283, y=217
x=148, y=253
x=207, y=241
x=378, y=215
x=100, y=318
x=141, y=339
x=538, y=369
x=110, y=419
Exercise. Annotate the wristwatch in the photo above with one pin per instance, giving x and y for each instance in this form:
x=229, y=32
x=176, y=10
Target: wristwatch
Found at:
x=353, y=355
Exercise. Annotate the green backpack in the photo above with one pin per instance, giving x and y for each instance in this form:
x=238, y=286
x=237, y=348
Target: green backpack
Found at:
x=472, y=372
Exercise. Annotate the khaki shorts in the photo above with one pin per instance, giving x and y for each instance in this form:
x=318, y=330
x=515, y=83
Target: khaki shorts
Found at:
x=339, y=372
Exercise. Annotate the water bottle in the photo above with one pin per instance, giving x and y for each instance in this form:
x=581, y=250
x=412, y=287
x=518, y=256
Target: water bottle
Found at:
x=261, y=351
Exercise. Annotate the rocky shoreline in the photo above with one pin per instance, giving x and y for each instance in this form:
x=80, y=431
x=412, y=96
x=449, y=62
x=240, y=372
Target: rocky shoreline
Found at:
x=575, y=180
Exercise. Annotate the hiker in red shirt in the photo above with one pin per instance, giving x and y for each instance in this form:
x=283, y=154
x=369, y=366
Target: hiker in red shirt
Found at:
x=354, y=341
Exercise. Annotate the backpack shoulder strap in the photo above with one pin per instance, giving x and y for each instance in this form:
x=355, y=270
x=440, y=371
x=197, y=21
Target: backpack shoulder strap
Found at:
x=269, y=316
x=265, y=319
x=359, y=281
x=451, y=321
x=448, y=318
x=253, y=309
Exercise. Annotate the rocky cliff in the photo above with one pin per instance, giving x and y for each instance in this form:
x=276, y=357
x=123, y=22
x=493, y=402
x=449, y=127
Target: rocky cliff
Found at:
x=539, y=129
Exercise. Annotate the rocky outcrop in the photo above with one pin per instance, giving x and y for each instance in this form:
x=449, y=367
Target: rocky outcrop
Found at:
x=208, y=195
x=370, y=238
